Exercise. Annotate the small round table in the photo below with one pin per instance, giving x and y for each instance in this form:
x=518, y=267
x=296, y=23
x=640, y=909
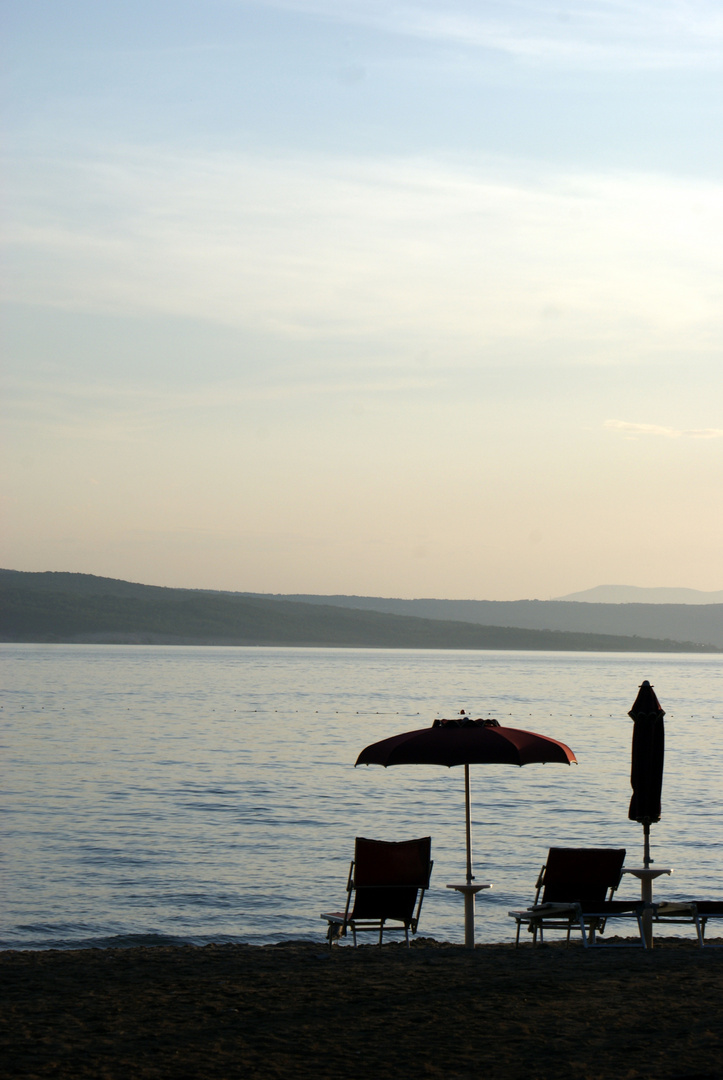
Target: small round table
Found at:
x=646, y=875
x=469, y=892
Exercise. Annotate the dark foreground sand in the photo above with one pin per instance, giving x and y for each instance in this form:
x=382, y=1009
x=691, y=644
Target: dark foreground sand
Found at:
x=299, y=1010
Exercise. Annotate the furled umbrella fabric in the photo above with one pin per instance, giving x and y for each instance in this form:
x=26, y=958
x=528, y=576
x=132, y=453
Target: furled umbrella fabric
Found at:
x=648, y=754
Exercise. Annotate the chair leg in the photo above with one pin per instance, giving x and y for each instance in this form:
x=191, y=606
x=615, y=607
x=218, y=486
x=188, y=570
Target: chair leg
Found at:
x=335, y=931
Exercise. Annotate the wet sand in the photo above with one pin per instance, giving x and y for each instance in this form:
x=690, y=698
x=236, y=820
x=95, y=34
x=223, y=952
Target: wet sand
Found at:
x=302, y=1010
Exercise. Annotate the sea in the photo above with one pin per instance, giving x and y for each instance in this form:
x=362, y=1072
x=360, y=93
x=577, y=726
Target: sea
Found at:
x=166, y=795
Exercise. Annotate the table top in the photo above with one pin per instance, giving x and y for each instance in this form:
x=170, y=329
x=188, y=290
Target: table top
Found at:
x=648, y=871
x=470, y=888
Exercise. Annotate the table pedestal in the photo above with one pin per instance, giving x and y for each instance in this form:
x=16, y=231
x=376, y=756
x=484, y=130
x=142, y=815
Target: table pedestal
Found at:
x=646, y=875
x=469, y=892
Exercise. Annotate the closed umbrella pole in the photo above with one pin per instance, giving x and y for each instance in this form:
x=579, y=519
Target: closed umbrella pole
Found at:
x=646, y=769
x=646, y=778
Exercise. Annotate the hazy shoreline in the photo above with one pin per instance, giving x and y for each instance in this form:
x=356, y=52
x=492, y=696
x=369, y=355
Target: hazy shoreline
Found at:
x=662, y=647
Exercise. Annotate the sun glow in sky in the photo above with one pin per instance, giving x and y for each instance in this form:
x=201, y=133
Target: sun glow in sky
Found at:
x=405, y=300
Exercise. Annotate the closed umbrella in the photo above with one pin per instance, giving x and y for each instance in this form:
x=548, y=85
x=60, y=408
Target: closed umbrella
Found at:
x=464, y=741
x=646, y=773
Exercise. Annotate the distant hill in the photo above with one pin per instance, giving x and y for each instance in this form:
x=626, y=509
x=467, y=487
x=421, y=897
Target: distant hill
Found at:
x=83, y=608
x=631, y=594
x=702, y=624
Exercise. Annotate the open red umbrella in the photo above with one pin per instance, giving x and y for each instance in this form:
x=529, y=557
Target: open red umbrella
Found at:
x=646, y=773
x=464, y=741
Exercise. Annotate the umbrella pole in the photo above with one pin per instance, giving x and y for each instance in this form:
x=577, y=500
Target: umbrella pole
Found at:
x=469, y=890
x=646, y=843
x=470, y=875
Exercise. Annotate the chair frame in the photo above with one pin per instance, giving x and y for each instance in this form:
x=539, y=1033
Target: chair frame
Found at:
x=697, y=912
x=588, y=914
x=369, y=894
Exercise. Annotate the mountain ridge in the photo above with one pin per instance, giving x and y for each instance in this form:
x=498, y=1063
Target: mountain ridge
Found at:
x=702, y=624
x=635, y=594
x=63, y=607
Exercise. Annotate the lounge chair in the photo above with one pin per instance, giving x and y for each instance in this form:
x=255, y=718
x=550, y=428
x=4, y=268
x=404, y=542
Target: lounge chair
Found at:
x=574, y=891
x=387, y=880
x=695, y=912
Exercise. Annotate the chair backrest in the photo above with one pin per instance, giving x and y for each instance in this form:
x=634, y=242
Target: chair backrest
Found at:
x=392, y=862
x=388, y=875
x=586, y=875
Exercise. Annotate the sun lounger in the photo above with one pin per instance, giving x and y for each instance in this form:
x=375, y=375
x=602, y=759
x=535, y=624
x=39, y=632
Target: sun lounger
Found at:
x=574, y=891
x=692, y=912
x=387, y=881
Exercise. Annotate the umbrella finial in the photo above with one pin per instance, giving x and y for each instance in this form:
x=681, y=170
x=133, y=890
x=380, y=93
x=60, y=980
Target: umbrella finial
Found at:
x=646, y=702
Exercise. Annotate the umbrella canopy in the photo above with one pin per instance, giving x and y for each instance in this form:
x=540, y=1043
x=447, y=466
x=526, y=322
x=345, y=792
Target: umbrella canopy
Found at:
x=464, y=741
x=646, y=773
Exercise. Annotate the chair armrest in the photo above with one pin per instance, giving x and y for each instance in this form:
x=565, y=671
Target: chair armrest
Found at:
x=540, y=910
x=674, y=907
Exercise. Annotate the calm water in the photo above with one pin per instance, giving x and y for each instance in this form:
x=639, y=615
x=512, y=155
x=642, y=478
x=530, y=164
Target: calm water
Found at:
x=203, y=794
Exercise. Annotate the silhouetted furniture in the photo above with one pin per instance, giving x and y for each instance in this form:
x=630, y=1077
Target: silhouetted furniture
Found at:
x=387, y=882
x=694, y=912
x=574, y=891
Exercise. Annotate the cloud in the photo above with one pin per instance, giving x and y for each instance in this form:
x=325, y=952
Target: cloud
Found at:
x=127, y=410
x=632, y=429
x=470, y=260
x=579, y=34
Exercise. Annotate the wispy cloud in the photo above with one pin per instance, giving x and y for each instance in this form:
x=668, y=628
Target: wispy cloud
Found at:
x=579, y=34
x=126, y=411
x=632, y=429
x=464, y=259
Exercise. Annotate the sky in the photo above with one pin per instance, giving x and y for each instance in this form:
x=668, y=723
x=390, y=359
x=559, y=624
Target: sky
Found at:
x=343, y=296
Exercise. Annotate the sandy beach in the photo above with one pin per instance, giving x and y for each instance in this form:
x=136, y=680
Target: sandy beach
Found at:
x=302, y=1010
